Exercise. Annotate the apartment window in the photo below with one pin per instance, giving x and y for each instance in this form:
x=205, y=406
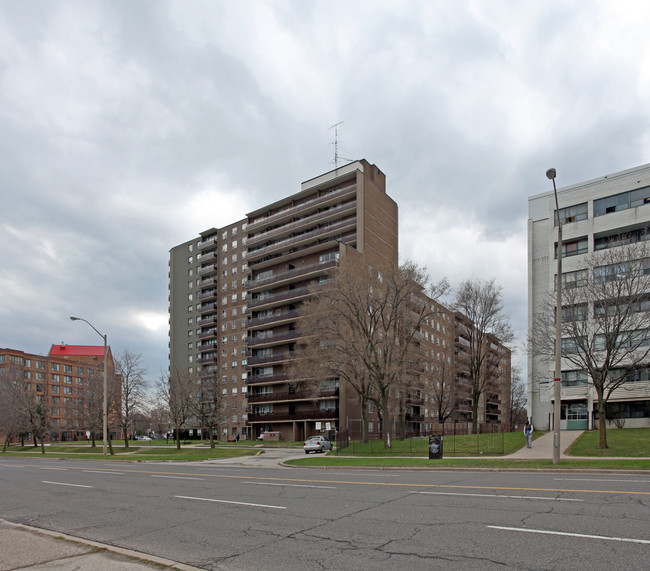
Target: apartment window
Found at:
x=56, y=378
x=67, y=368
x=224, y=235
x=190, y=297
x=571, y=345
x=55, y=367
x=233, y=257
x=67, y=390
x=573, y=279
x=234, y=390
x=40, y=376
x=577, y=312
x=224, y=340
x=79, y=381
x=190, y=321
x=224, y=248
x=67, y=379
x=224, y=300
x=613, y=272
x=574, y=378
x=622, y=201
x=573, y=247
x=54, y=389
x=572, y=213
x=190, y=346
x=190, y=272
x=190, y=259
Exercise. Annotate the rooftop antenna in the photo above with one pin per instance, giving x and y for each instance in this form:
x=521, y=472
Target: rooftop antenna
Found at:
x=337, y=159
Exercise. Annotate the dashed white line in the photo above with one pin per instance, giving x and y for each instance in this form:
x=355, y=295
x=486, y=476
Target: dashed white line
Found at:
x=102, y=472
x=568, y=534
x=178, y=477
x=46, y=468
x=500, y=496
x=64, y=484
x=231, y=502
x=291, y=485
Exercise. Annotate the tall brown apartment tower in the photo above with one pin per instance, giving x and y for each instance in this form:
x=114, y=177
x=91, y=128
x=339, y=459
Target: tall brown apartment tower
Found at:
x=291, y=244
x=236, y=294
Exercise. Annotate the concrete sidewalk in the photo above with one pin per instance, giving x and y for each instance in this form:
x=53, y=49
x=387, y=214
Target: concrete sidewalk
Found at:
x=23, y=547
x=542, y=448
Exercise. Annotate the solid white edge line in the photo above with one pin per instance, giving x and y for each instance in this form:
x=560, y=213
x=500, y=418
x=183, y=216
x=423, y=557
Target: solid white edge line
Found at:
x=103, y=472
x=569, y=534
x=499, y=496
x=64, y=484
x=291, y=485
x=230, y=502
x=600, y=480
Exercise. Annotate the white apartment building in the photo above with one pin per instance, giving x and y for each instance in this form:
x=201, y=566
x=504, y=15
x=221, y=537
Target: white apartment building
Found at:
x=595, y=215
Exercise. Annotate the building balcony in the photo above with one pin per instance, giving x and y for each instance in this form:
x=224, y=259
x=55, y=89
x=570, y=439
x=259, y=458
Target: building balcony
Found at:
x=278, y=298
x=301, y=208
x=208, y=334
x=208, y=270
x=306, y=222
x=296, y=241
x=299, y=415
x=207, y=320
x=277, y=318
x=208, y=294
x=301, y=272
x=207, y=282
x=206, y=258
x=265, y=379
x=274, y=339
x=210, y=242
x=207, y=359
x=209, y=306
x=276, y=358
x=281, y=396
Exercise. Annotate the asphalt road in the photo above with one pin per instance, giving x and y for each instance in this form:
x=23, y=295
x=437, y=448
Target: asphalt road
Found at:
x=245, y=516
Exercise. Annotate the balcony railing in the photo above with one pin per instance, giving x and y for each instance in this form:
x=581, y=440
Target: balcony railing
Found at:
x=290, y=274
x=276, y=317
x=265, y=379
x=275, y=358
x=299, y=208
x=301, y=415
x=278, y=338
x=297, y=395
x=276, y=297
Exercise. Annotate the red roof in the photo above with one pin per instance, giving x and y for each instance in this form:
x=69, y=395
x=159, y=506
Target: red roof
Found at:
x=78, y=350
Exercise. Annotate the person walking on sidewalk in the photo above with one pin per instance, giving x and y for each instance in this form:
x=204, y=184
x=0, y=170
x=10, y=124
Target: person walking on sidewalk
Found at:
x=528, y=431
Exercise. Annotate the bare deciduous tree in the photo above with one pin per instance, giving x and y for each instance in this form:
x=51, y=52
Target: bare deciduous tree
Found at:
x=207, y=404
x=131, y=376
x=605, y=321
x=177, y=390
x=518, y=398
x=363, y=325
x=15, y=399
x=443, y=393
x=480, y=301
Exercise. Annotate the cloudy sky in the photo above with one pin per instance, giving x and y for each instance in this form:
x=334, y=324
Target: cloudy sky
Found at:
x=128, y=127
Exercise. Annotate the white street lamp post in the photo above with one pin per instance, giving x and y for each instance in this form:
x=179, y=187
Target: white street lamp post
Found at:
x=105, y=403
x=550, y=174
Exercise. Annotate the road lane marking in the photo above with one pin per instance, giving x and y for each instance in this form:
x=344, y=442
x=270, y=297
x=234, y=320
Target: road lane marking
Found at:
x=64, y=484
x=48, y=468
x=177, y=477
x=384, y=484
x=599, y=480
x=499, y=496
x=291, y=485
x=568, y=534
x=103, y=472
x=231, y=502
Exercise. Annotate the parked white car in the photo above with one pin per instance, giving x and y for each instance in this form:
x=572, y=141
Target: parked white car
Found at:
x=317, y=444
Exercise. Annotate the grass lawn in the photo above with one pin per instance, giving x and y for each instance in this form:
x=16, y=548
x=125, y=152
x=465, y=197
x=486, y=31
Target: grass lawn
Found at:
x=453, y=445
x=622, y=442
x=133, y=454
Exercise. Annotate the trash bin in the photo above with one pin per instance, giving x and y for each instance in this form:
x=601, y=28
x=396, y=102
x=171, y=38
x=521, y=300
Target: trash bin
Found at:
x=435, y=447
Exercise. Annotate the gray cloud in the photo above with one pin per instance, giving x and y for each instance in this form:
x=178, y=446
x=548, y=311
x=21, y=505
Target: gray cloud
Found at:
x=127, y=128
